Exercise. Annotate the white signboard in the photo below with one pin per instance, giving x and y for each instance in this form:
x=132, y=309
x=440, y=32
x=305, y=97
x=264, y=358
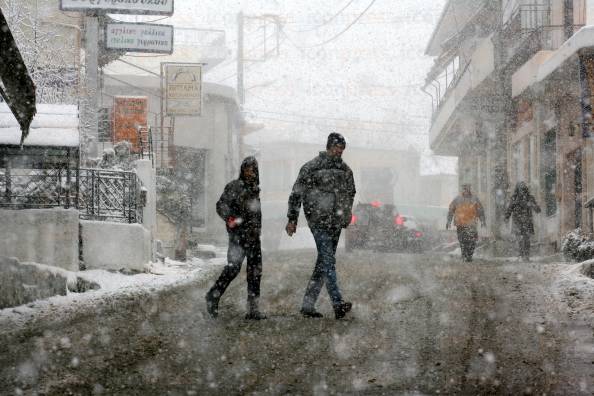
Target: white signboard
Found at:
x=153, y=7
x=183, y=88
x=139, y=37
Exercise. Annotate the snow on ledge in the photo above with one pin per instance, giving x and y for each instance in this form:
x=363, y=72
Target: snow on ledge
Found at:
x=47, y=137
x=52, y=126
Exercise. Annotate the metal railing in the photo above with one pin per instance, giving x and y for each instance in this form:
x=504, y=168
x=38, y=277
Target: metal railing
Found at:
x=106, y=195
x=37, y=188
x=110, y=195
x=536, y=23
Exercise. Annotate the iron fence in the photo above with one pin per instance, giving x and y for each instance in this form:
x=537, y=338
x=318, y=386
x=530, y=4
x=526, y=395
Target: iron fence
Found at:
x=110, y=195
x=99, y=194
x=37, y=188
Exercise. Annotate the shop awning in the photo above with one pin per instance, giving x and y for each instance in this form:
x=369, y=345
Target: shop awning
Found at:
x=16, y=86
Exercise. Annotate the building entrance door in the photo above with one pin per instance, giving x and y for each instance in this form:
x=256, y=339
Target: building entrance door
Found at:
x=573, y=190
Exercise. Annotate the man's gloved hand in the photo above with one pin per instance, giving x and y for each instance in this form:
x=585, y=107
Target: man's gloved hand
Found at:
x=233, y=222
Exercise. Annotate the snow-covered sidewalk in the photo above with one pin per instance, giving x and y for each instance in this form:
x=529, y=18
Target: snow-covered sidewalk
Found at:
x=113, y=287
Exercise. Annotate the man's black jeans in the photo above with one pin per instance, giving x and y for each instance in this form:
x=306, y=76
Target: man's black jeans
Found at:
x=325, y=269
x=239, y=248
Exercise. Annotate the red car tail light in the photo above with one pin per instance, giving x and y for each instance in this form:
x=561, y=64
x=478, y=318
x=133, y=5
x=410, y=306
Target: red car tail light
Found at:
x=418, y=234
x=354, y=219
x=376, y=204
x=399, y=220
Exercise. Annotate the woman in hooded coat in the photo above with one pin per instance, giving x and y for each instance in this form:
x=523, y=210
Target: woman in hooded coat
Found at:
x=520, y=209
x=239, y=207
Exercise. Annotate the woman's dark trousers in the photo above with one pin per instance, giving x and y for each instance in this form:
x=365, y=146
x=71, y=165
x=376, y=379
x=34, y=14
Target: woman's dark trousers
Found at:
x=241, y=247
x=524, y=244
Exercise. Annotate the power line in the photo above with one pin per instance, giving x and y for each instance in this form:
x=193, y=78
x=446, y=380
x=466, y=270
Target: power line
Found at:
x=249, y=66
x=345, y=29
x=334, y=126
x=331, y=118
x=152, y=21
x=333, y=17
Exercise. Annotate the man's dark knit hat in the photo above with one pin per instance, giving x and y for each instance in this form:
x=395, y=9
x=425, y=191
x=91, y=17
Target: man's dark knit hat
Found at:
x=335, y=139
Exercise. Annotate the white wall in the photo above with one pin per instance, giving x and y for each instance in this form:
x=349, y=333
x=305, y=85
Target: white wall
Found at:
x=46, y=236
x=147, y=175
x=115, y=246
x=589, y=12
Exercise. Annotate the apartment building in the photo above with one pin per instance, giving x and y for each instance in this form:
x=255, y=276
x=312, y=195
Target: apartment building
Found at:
x=511, y=98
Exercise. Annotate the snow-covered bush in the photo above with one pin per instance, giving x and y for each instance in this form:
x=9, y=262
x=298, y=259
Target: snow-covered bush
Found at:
x=577, y=247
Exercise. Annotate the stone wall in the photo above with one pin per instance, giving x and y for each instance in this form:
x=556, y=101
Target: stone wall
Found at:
x=22, y=283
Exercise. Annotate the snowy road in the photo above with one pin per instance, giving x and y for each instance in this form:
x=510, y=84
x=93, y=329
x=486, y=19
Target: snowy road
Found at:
x=420, y=325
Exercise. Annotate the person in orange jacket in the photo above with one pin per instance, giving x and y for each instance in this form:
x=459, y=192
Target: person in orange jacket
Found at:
x=466, y=210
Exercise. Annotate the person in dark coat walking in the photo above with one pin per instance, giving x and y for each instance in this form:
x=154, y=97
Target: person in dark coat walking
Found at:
x=466, y=210
x=326, y=189
x=520, y=209
x=239, y=207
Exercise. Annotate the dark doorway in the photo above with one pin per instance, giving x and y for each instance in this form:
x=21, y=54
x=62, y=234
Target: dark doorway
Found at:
x=578, y=188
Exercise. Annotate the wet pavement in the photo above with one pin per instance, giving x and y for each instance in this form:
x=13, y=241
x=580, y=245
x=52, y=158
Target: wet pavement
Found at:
x=421, y=324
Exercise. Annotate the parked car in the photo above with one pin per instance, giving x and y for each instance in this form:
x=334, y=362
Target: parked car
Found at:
x=379, y=226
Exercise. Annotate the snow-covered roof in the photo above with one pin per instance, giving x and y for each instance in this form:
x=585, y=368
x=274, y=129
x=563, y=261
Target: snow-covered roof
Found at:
x=53, y=125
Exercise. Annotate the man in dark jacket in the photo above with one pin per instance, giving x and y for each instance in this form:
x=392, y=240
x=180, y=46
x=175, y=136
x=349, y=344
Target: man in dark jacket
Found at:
x=239, y=207
x=520, y=210
x=326, y=188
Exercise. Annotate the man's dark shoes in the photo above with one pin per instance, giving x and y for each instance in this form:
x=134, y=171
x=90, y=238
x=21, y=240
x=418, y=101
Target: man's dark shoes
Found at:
x=341, y=309
x=255, y=315
x=311, y=313
x=212, y=305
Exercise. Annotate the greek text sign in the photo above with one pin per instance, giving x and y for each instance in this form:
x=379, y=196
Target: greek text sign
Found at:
x=153, y=7
x=139, y=37
x=183, y=89
x=130, y=115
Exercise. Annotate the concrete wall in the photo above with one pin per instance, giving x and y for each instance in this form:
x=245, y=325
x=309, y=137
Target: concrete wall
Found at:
x=47, y=236
x=115, y=246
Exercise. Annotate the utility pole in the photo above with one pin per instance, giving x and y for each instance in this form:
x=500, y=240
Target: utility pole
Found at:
x=240, y=60
x=90, y=107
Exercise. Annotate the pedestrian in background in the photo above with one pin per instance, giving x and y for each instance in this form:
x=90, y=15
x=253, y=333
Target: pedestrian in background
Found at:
x=239, y=207
x=520, y=209
x=466, y=210
x=326, y=188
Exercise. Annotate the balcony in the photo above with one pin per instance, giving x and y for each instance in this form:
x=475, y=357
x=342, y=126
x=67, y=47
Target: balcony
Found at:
x=531, y=28
x=461, y=89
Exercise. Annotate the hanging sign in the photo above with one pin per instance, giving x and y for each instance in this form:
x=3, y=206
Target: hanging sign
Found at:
x=183, y=88
x=130, y=114
x=149, y=7
x=139, y=37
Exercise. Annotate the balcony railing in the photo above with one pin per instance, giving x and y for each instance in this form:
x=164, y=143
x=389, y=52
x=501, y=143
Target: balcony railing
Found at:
x=99, y=194
x=532, y=28
x=442, y=92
